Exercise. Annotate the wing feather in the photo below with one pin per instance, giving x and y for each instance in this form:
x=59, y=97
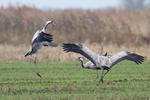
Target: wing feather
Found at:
x=43, y=37
x=86, y=52
x=138, y=59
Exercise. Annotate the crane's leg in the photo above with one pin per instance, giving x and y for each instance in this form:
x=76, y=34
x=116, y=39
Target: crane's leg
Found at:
x=97, y=74
x=101, y=80
x=37, y=72
x=106, y=72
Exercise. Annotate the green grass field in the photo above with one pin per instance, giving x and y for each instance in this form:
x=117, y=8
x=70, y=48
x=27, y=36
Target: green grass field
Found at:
x=68, y=81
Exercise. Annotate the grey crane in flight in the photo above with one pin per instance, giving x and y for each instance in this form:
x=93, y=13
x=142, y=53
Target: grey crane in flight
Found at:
x=40, y=38
x=101, y=62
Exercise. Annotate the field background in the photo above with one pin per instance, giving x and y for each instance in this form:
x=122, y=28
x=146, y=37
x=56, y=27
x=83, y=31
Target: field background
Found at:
x=69, y=81
x=108, y=30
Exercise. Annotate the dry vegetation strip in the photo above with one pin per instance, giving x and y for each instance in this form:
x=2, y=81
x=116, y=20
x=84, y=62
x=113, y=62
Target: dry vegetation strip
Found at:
x=11, y=53
x=110, y=26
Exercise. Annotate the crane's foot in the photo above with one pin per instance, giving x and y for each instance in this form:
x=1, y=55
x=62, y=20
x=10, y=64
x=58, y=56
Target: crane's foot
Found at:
x=101, y=80
x=38, y=74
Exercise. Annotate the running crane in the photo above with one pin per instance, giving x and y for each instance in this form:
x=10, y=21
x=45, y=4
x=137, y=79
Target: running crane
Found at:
x=101, y=62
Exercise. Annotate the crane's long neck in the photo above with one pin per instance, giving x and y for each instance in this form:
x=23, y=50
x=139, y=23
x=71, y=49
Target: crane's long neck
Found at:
x=82, y=64
x=44, y=28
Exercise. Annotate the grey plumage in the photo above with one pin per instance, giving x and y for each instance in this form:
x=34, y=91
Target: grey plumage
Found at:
x=40, y=38
x=103, y=62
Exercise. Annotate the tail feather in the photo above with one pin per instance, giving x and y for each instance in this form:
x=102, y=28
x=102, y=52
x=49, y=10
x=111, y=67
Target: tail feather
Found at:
x=27, y=54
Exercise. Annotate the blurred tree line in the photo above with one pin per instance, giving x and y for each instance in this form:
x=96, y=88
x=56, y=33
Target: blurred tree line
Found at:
x=135, y=4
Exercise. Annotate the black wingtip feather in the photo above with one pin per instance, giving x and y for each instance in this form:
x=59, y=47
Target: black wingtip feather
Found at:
x=138, y=59
x=46, y=37
x=27, y=54
x=68, y=47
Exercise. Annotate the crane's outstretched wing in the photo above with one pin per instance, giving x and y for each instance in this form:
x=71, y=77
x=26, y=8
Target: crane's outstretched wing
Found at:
x=43, y=37
x=46, y=39
x=86, y=52
x=50, y=44
x=126, y=56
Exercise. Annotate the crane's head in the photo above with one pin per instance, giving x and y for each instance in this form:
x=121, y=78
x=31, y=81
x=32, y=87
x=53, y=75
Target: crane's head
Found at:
x=80, y=59
x=49, y=22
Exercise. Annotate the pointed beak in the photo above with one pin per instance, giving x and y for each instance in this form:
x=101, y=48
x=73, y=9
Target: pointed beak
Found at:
x=54, y=24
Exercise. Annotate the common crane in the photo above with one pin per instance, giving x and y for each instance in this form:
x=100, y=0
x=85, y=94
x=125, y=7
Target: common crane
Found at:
x=101, y=62
x=40, y=38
